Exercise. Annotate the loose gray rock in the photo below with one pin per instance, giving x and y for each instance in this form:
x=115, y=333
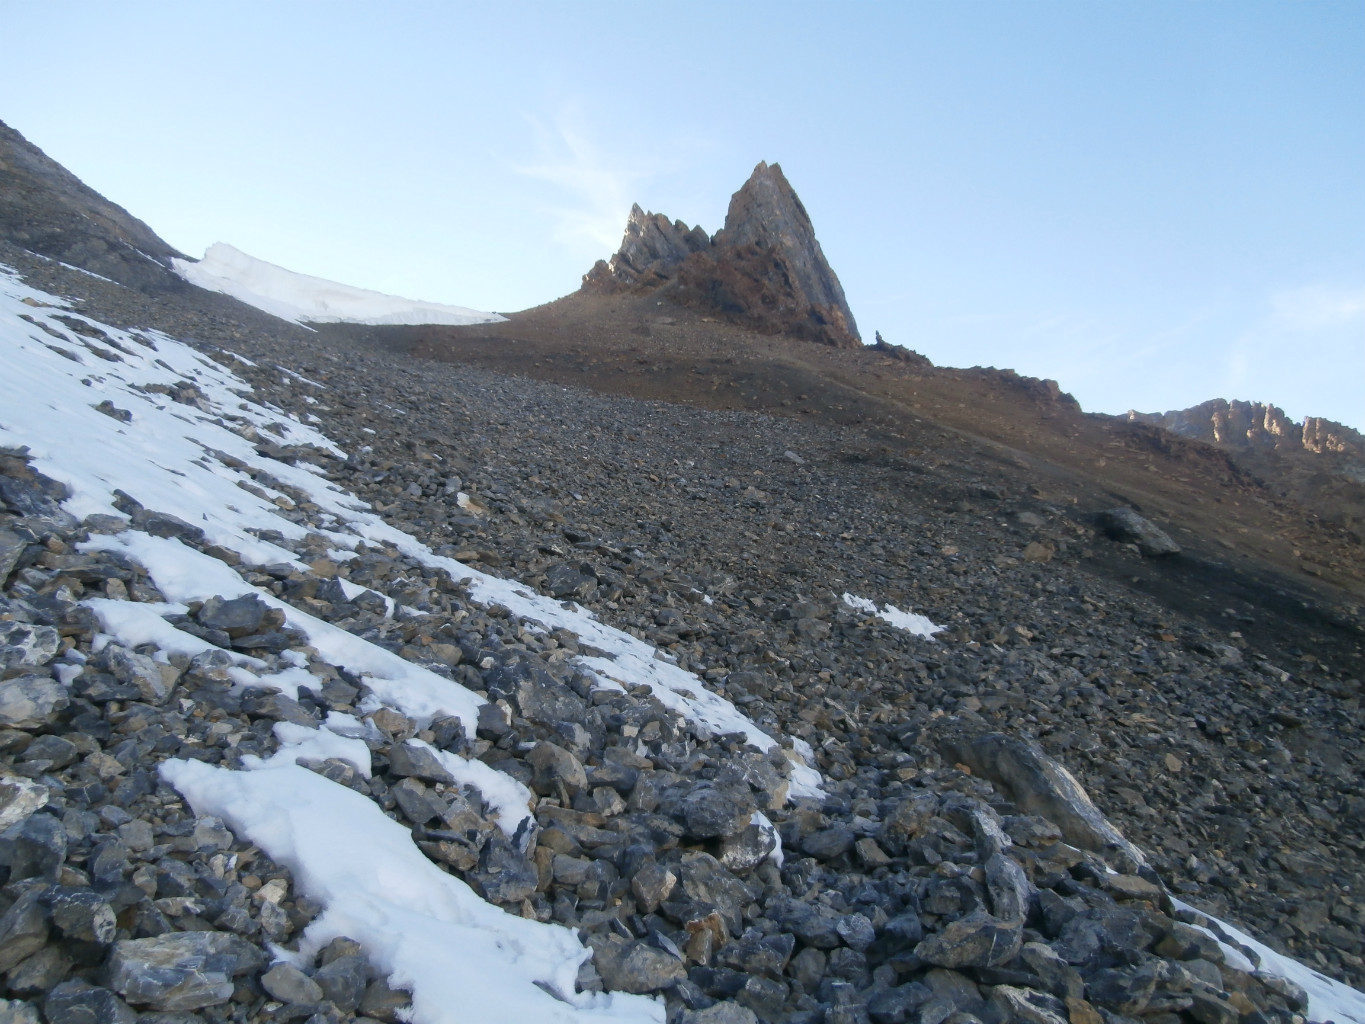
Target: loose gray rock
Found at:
x=977, y=940
x=288, y=984
x=82, y=915
x=1127, y=991
x=568, y=581
x=133, y=669
x=417, y=760
x=897, y=1005
x=710, y=812
x=704, y=880
x=58, y=751
x=906, y=819
x=1125, y=525
x=343, y=981
x=1009, y=888
x=757, y=954
x=1058, y=976
x=555, y=766
x=23, y=929
x=385, y=1003
x=78, y=1002
x=745, y=850
x=11, y=550
x=23, y=645
x=19, y=798
x=163, y=524
x=13, y=1011
x=856, y=931
x=35, y=847
x=652, y=884
x=504, y=874
x=814, y=924
x=720, y=1013
x=1038, y=785
x=238, y=617
x=181, y=970
x=40, y=972
x=418, y=806
x=1029, y=1006
x=30, y=702
x=628, y=966
x=829, y=843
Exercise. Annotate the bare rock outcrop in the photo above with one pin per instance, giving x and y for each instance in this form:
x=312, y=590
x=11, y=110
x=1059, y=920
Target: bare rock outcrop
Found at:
x=650, y=251
x=1255, y=425
x=764, y=268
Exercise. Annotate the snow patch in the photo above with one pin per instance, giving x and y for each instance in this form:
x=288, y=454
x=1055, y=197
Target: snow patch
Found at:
x=908, y=621
x=462, y=959
x=1328, y=1000
x=301, y=298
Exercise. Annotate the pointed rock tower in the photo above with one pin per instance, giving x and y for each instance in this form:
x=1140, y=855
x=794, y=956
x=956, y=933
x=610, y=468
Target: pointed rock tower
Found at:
x=764, y=269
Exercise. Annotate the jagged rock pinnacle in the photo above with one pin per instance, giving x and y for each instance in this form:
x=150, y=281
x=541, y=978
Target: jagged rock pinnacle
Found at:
x=765, y=268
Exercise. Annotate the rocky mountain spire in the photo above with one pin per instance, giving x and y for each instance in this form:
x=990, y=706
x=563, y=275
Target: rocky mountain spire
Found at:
x=765, y=268
x=768, y=214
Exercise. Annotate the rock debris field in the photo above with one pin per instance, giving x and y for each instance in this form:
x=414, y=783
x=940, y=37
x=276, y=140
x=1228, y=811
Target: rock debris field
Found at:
x=163, y=687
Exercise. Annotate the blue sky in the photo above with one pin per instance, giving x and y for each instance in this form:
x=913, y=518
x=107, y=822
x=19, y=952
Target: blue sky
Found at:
x=1154, y=202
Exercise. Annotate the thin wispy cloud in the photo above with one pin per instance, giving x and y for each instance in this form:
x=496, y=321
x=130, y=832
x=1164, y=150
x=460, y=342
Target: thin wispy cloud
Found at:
x=1310, y=340
x=593, y=182
x=1318, y=306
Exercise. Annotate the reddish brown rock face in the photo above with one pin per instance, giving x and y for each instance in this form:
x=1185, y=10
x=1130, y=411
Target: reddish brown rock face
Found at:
x=764, y=269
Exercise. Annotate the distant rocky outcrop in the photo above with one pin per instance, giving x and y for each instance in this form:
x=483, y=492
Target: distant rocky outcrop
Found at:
x=899, y=352
x=1255, y=425
x=47, y=210
x=1317, y=462
x=764, y=268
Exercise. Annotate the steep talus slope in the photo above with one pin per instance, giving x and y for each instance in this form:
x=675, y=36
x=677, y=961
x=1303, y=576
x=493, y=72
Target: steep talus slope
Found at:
x=665, y=506
x=1227, y=518
x=762, y=554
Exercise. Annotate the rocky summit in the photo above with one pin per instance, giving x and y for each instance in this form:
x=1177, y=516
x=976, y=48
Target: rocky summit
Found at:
x=1318, y=461
x=764, y=268
x=928, y=753
x=1253, y=425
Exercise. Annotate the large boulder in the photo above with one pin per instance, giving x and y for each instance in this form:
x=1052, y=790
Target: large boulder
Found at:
x=1125, y=525
x=1038, y=785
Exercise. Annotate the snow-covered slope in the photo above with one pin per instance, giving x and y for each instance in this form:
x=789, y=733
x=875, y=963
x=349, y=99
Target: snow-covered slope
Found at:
x=301, y=298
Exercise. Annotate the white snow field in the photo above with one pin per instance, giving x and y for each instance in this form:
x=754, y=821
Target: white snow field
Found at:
x=301, y=298
x=461, y=958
